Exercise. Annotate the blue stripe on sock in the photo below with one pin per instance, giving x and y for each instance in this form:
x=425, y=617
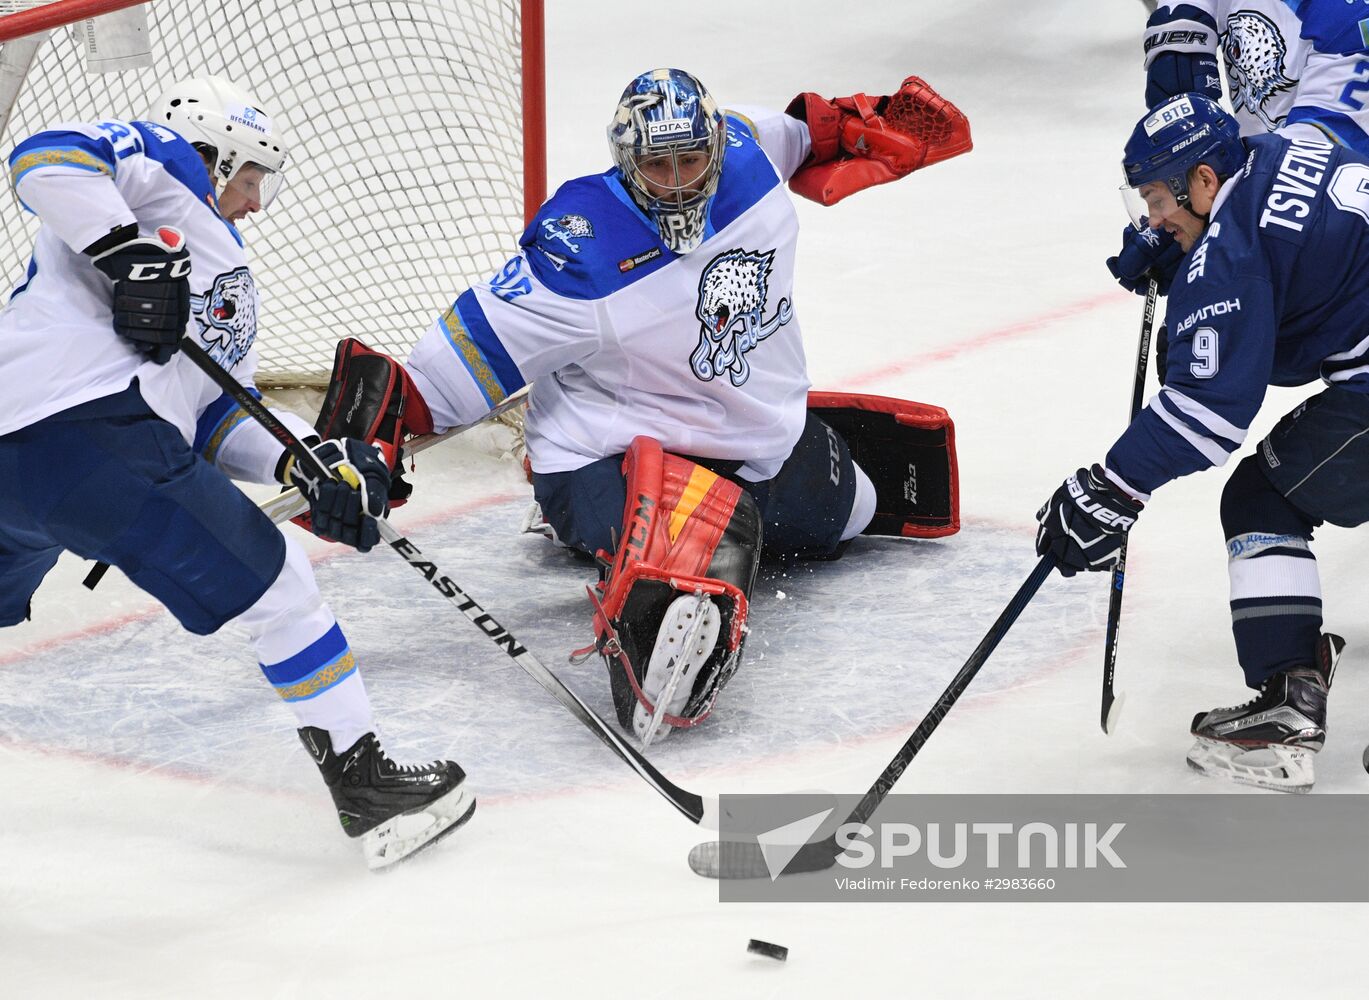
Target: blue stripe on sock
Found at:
x=329, y=647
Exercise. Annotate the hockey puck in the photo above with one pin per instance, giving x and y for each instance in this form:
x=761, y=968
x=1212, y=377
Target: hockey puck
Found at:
x=767, y=950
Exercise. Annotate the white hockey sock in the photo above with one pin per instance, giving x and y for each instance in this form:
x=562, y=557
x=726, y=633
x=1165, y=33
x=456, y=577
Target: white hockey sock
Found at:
x=1275, y=602
x=862, y=507
x=303, y=653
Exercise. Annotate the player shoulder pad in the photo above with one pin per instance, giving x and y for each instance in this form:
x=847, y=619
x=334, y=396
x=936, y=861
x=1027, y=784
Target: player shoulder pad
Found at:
x=739, y=126
x=588, y=240
x=1334, y=27
x=177, y=157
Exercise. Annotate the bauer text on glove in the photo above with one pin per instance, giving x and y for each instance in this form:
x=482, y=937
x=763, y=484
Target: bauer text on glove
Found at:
x=1085, y=521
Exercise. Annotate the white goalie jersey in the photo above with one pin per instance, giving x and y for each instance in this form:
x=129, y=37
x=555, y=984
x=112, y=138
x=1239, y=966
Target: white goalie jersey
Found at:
x=621, y=337
x=1293, y=67
x=58, y=347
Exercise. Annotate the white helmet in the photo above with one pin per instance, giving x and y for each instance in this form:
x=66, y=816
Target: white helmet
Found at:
x=223, y=121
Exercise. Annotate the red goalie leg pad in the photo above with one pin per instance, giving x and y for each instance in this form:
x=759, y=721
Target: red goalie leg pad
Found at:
x=372, y=398
x=860, y=141
x=686, y=530
x=908, y=451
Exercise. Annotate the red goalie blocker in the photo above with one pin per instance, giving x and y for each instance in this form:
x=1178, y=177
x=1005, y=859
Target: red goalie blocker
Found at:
x=908, y=451
x=371, y=398
x=685, y=531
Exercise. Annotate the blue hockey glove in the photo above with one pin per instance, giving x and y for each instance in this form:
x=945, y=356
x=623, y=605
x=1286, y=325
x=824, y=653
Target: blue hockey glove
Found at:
x=1175, y=73
x=1084, y=522
x=1145, y=254
x=1183, y=39
x=344, y=509
x=151, y=289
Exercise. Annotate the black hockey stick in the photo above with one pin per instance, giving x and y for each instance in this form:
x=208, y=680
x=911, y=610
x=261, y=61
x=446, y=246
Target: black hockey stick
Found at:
x=696, y=808
x=1112, y=705
x=743, y=859
x=289, y=503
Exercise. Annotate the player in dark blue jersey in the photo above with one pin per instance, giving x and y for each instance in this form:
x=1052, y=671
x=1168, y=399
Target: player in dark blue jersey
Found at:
x=1271, y=290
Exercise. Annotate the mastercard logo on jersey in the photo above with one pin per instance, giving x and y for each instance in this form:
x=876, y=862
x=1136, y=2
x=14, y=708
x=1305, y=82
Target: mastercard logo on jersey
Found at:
x=624, y=266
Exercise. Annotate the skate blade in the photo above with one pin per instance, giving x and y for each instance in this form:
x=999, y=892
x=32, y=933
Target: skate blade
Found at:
x=1275, y=768
x=688, y=631
x=401, y=837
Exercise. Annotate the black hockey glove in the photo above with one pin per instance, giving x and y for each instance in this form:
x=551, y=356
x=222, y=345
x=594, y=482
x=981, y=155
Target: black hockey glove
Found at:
x=1084, y=522
x=1145, y=254
x=343, y=509
x=151, y=278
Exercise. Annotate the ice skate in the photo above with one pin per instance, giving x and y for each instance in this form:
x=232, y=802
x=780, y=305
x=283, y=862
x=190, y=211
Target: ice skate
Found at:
x=1271, y=740
x=686, y=638
x=396, y=810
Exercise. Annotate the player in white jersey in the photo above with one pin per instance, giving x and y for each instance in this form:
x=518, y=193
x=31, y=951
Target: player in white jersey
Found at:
x=651, y=307
x=1297, y=68
x=116, y=447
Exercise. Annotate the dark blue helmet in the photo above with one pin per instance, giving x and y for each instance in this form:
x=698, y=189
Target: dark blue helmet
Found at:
x=668, y=139
x=1176, y=136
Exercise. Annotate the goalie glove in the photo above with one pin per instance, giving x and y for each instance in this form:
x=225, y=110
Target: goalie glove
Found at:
x=344, y=508
x=151, y=276
x=1085, y=521
x=860, y=141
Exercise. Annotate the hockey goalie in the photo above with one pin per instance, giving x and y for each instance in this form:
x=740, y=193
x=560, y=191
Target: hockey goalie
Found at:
x=671, y=432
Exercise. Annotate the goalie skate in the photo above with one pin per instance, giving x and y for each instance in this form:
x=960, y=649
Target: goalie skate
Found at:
x=683, y=645
x=1271, y=741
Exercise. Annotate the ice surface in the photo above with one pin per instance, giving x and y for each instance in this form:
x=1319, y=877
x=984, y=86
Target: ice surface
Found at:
x=824, y=666
x=163, y=834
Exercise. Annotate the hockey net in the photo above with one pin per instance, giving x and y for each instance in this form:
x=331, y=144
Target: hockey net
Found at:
x=415, y=137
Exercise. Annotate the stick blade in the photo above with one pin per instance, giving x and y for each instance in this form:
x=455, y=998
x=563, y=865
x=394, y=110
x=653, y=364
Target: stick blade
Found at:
x=738, y=859
x=1113, y=712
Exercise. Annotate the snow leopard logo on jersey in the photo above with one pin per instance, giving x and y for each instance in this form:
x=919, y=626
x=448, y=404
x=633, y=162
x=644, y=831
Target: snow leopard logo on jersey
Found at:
x=227, y=316
x=568, y=228
x=732, y=294
x=1255, y=51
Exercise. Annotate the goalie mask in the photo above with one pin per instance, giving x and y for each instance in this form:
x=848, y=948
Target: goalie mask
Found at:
x=242, y=148
x=668, y=138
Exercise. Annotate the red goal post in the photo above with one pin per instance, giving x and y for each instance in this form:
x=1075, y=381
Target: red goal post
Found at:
x=417, y=144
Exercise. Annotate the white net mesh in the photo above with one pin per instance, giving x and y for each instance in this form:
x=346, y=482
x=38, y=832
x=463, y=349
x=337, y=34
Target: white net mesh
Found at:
x=406, y=154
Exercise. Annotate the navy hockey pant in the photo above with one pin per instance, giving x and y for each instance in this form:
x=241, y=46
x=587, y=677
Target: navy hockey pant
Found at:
x=804, y=510
x=1313, y=467
x=110, y=480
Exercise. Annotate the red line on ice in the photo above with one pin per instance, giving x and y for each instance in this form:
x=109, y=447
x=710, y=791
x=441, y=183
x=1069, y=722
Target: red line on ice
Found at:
x=1035, y=324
